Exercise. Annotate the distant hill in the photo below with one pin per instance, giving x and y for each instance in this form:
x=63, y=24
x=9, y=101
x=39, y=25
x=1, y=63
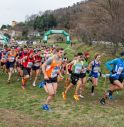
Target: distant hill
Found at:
x=86, y=21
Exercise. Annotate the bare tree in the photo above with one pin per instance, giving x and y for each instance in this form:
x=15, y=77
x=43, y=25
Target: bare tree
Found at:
x=108, y=15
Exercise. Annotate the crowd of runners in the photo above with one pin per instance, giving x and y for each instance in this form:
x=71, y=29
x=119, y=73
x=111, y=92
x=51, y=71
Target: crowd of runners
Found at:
x=53, y=64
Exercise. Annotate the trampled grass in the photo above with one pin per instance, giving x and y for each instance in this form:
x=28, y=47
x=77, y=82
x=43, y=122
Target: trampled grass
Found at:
x=20, y=108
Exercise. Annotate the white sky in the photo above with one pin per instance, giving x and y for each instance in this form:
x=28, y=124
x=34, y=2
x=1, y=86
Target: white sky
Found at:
x=18, y=9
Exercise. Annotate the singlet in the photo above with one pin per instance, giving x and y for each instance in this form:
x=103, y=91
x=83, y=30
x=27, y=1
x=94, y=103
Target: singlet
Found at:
x=53, y=69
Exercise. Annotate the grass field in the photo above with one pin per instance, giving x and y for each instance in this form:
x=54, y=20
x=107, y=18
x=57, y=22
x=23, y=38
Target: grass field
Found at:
x=20, y=108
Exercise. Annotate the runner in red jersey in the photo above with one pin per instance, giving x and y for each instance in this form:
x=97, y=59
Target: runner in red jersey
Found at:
x=37, y=65
x=27, y=63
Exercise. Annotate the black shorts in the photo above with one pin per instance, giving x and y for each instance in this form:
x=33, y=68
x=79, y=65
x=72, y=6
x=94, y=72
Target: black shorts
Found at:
x=74, y=78
x=35, y=68
x=82, y=75
x=18, y=65
x=26, y=71
x=10, y=64
x=21, y=67
x=70, y=71
x=113, y=79
x=2, y=64
x=51, y=80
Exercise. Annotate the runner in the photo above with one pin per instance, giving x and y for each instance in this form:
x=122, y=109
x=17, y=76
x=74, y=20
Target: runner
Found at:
x=94, y=68
x=51, y=70
x=27, y=62
x=116, y=68
x=75, y=76
x=84, y=73
x=3, y=60
x=36, y=66
x=11, y=56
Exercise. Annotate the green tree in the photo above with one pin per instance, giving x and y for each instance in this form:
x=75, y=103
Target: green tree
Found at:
x=3, y=27
x=25, y=33
x=45, y=22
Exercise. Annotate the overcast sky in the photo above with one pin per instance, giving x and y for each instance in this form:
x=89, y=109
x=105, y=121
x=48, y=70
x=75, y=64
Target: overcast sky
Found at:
x=18, y=9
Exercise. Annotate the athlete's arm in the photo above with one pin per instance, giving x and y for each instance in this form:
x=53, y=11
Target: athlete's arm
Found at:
x=7, y=54
x=60, y=74
x=17, y=58
x=48, y=62
x=72, y=62
x=110, y=63
x=90, y=66
x=23, y=59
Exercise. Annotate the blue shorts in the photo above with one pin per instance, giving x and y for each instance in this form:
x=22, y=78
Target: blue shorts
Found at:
x=10, y=64
x=94, y=75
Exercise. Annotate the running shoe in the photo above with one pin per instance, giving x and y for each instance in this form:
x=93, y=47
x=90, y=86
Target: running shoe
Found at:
x=76, y=97
x=8, y=81
x=42, y=84
x=34, y=84
x=64, y=95
x=92, y=94
x=45, y=107
x=81, y=96
x=109, y=95
x=102, y=101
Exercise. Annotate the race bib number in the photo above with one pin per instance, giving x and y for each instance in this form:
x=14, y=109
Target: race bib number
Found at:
x=120, y=69
x=84, y=70
x=96, y=69
x=78, y=69
x=55, y=72
x=3, y=60
x=12, y=58
x=30, y=64
x=37, y=64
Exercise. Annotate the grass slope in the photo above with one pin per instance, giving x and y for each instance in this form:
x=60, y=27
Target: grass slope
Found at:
x=20, y=108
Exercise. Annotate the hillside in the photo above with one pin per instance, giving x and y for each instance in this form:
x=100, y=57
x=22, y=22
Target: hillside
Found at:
x=20, y=108
x=86, y=21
